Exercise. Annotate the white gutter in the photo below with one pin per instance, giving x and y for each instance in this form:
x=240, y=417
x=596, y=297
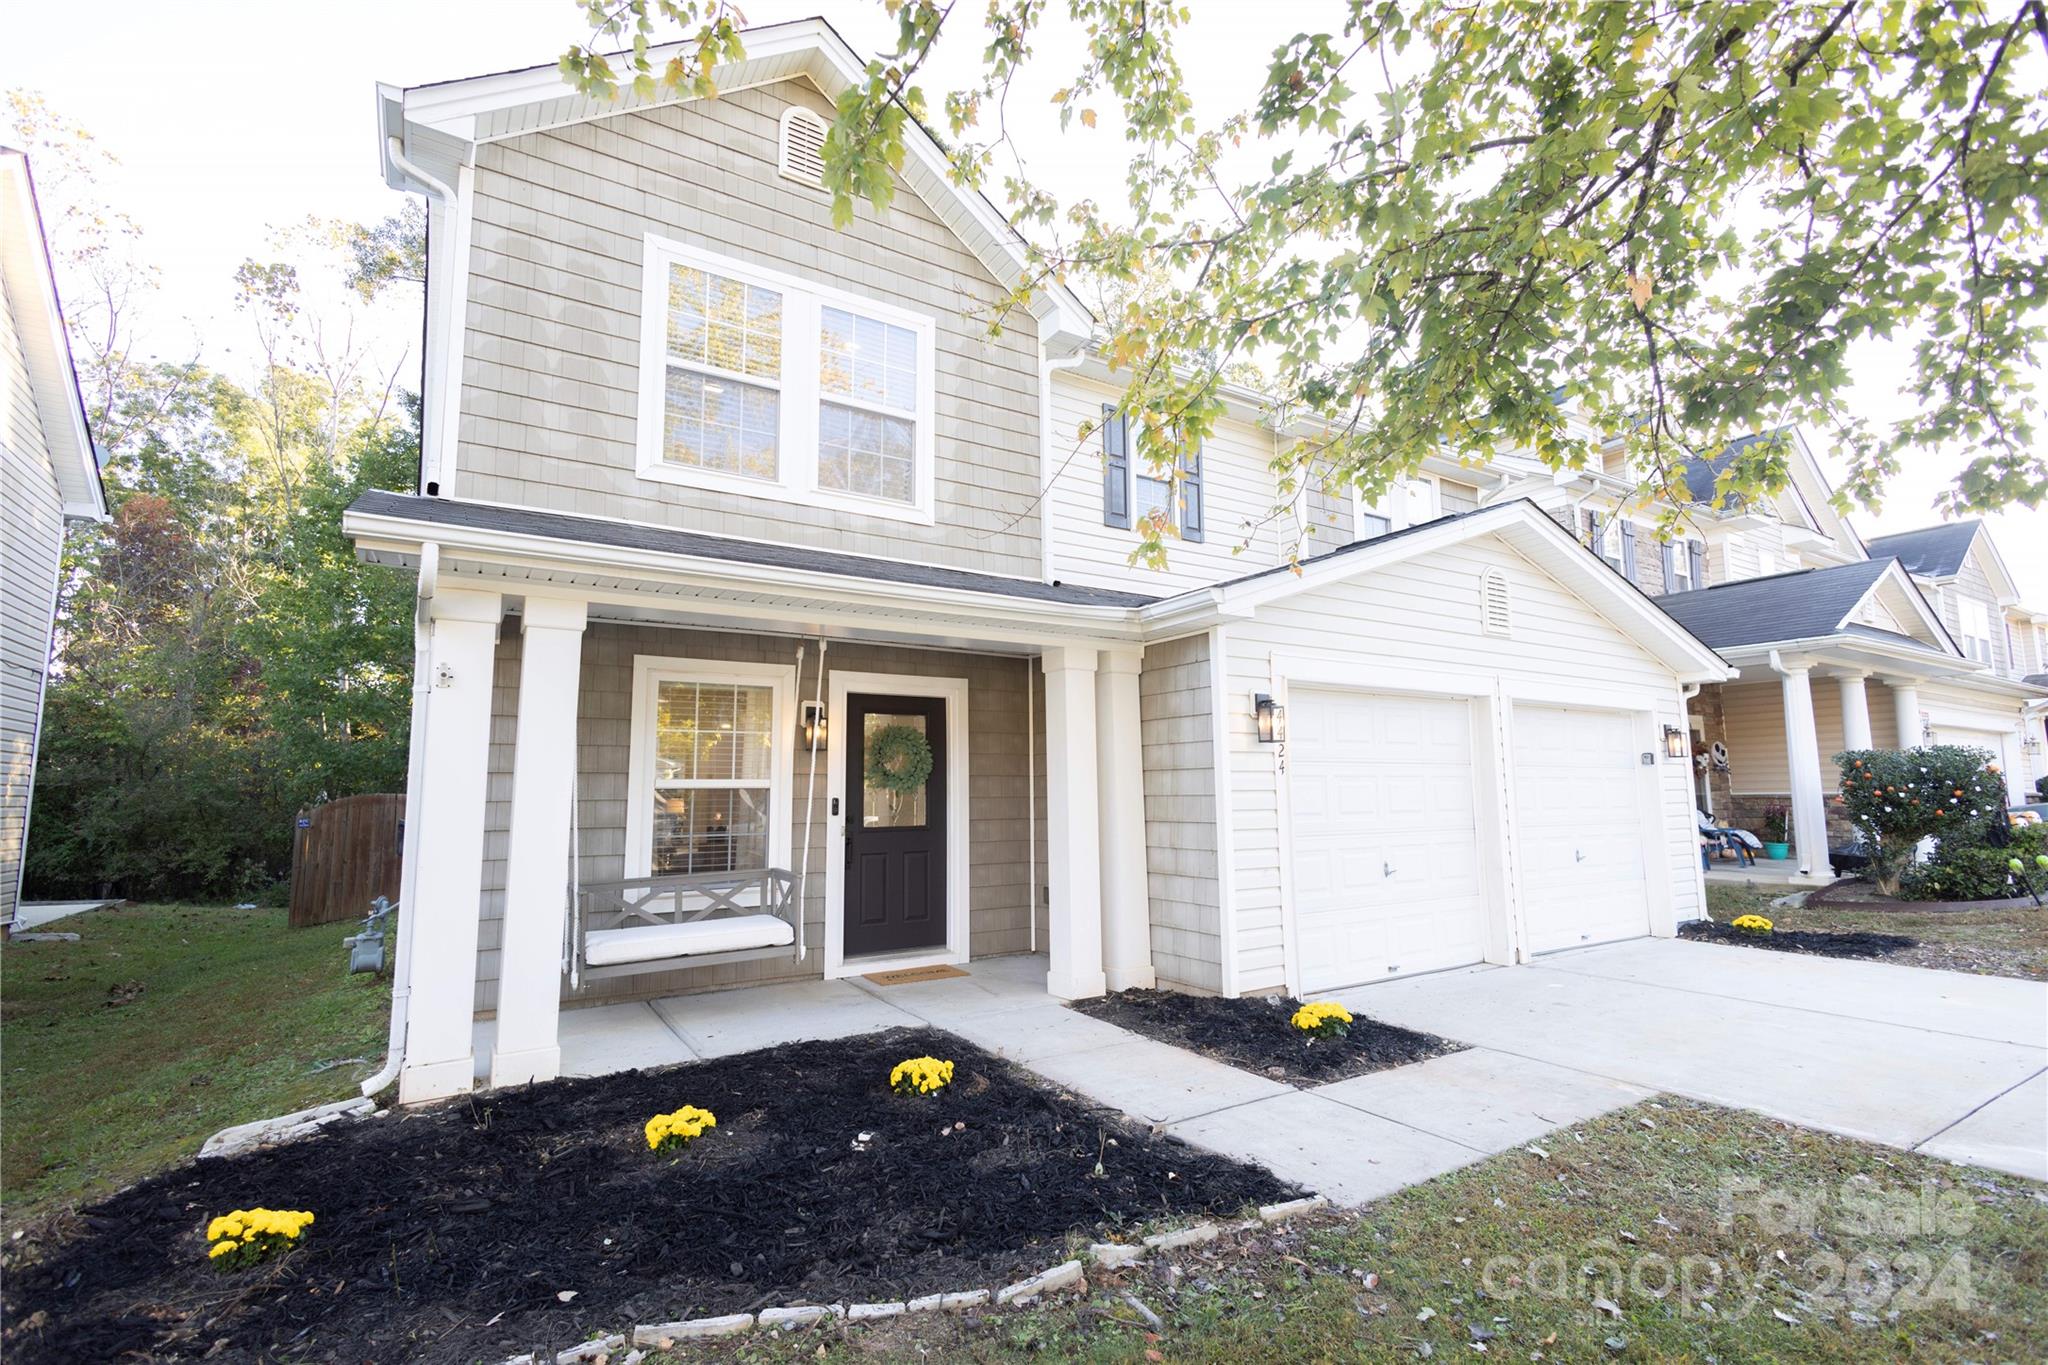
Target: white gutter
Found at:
x=415, y=784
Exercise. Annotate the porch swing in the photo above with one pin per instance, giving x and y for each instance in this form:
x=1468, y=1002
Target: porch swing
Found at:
x=643, y=925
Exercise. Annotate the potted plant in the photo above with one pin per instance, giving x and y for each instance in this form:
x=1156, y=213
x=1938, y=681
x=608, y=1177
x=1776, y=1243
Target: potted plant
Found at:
x=1777, y=828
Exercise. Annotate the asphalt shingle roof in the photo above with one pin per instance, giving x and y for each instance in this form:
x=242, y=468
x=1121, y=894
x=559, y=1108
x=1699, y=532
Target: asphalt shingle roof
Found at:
x=1931, y=551
x=662, y=540
x=1786, y=606
x=1701, y=472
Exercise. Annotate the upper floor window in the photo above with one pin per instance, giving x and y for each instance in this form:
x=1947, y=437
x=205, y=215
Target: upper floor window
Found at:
x=1410, y=502
x=1976, y=622
x=1133, y=490
x=1678, y=566
x=759, y=383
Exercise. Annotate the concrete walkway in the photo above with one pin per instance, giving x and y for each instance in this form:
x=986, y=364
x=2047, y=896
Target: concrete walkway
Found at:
x=1939, y=1062
x=33, y=914
x=1948, y=1064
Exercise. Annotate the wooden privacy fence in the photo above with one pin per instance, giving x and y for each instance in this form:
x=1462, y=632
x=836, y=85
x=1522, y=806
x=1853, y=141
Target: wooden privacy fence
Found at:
x=345, y=854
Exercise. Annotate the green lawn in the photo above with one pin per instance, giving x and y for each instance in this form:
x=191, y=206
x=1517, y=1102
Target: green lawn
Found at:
x=121, y=1053
x=1987, y=942
x=1611, y=1245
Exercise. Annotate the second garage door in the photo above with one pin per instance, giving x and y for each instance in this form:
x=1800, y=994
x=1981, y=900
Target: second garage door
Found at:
x=1384, y=828
x=1578, y=827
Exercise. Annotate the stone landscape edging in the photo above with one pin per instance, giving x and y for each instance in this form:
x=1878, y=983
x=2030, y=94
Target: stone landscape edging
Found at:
x=1064, y=1275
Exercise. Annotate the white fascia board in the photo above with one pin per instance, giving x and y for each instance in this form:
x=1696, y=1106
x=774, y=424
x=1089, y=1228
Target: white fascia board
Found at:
x=375, y=533
x=1896, y=575
x=1526, y=529
x=2002, y=581
x=1862, y=651
x=455, y=110
x=46, y=347
x=1239, y=403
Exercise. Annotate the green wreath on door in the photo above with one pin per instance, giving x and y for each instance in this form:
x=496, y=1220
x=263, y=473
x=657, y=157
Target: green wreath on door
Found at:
x=899, y=760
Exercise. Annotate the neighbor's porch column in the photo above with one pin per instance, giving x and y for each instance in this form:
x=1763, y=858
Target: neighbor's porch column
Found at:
x=1073, y=834
x=1802, y=758
x=1126, y=896
x=537, y=859
x=447, y=886
x=1855, y=710
x=1906, y=707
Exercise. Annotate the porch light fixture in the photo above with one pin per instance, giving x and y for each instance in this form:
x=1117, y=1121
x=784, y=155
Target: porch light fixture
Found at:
x=811, y=728
x=1674, y=742
x=1272, y=718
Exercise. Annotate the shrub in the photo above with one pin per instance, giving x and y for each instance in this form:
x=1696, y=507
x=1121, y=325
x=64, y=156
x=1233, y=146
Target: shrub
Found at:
x=1897, y=798
x=2041, y=788
x=1777, y=823
x=679, y=1128
x=246, y=1236
x=1323, y=1019
x=1968, y=867
x=920, y=1076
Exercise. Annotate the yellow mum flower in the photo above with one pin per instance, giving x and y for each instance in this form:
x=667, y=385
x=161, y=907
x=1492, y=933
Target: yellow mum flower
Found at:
x=920, y=1076
x=680, y=1127
x=1323, y=1018
x=1752, y=924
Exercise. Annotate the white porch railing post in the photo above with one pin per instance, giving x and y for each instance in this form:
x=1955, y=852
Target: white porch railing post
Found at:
x=1802, y=758
x=439, y=1053
x=1073, y=832
x=1126, y=894
x=1855, y=711
x=528, y=1044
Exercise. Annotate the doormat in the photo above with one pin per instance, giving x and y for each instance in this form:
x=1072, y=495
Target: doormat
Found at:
x=907, y=975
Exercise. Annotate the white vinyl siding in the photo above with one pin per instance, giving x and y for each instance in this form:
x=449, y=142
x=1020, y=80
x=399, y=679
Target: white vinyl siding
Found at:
x=1423, y=616
x=551, y=365
x=1238, y=497
x=31, y=539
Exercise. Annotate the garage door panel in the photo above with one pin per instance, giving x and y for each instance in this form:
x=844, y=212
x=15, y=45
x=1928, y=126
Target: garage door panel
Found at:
x=1578, y=828
x=1382, y=821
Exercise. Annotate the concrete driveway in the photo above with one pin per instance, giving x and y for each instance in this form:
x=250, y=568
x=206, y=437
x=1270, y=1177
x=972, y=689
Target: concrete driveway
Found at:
x=1938, y=1062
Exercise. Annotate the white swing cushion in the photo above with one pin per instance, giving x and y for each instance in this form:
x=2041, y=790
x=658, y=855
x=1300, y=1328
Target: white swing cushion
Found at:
x=692, y=938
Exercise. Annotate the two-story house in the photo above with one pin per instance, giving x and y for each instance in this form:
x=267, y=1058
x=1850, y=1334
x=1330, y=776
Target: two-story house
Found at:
x=51, y=477
x=758, y=577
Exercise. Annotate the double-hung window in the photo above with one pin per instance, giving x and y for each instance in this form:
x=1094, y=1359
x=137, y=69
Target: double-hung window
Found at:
x=759, y=383
x=1976, y=621
x=709, y=769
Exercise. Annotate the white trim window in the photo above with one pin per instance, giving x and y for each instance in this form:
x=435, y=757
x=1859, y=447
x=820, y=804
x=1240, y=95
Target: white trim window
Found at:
x=759, y=383
x=709, y=769
x=1975, y=618
x=1412, y=501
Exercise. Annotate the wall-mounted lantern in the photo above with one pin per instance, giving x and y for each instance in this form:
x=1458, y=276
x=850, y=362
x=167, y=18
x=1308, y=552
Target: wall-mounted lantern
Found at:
x=811, y=729
x=1272, y=719
x=1674, y=742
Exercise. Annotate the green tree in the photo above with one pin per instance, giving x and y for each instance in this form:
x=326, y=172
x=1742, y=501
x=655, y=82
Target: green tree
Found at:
x=1896, y=798
x=1439, y=223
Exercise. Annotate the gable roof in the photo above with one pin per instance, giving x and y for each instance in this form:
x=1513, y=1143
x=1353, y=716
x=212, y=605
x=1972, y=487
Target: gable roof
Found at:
x=1805, y=604
x=440, y=125
x=31, y=292
x=1931, y=551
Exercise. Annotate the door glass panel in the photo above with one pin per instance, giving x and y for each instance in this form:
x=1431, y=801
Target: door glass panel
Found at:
x=883, y=805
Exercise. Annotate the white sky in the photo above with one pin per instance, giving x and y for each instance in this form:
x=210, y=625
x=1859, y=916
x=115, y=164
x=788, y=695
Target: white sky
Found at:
x=229, y=117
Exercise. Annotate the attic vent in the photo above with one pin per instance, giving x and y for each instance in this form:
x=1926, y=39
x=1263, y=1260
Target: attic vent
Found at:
x=803, y=147
x=1493, y=602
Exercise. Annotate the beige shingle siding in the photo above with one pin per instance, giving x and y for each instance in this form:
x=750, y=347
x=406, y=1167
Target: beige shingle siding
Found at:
x=31, y=539
x=1000, y=870
x=1971, y=581
x=1424, y=614
x=1175, y=708
x=551, y=355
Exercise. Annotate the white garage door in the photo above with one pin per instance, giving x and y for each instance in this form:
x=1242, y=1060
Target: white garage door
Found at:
x=1578, y=827
x=1386, y=859
x=1984, y=739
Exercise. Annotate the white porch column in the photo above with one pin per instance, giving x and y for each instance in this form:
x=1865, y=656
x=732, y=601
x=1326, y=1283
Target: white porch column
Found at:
x=1126, y=896
x=1855, y=711
x=537, y=858
x=1073, y=833
x=448, y=883
x=1906, y=707
x=1802, y=758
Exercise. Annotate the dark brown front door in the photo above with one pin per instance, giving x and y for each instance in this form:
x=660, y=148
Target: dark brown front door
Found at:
x=895, y=826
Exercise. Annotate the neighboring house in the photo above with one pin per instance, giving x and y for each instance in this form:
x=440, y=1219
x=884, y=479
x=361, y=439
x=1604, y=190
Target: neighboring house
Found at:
x=694, y=461
x=51, y=478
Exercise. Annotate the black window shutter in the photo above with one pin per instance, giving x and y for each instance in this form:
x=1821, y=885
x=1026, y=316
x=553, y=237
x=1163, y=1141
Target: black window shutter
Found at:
x=1191, y=494
x=1670, y=566
x=1628, y=551
x=1593, y=531
x=1116, y=468
x=1697, y=557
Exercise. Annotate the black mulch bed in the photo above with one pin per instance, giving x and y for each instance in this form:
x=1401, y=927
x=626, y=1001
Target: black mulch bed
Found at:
x=1255, y=1033
x=1817, y=942
x=450, y=1233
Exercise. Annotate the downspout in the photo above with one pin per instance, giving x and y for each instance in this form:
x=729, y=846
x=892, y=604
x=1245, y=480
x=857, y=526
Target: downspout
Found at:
x=1031, y=791
x=1685, y=695
x=430, y=471
x=415, y=794
x=1048, y=469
